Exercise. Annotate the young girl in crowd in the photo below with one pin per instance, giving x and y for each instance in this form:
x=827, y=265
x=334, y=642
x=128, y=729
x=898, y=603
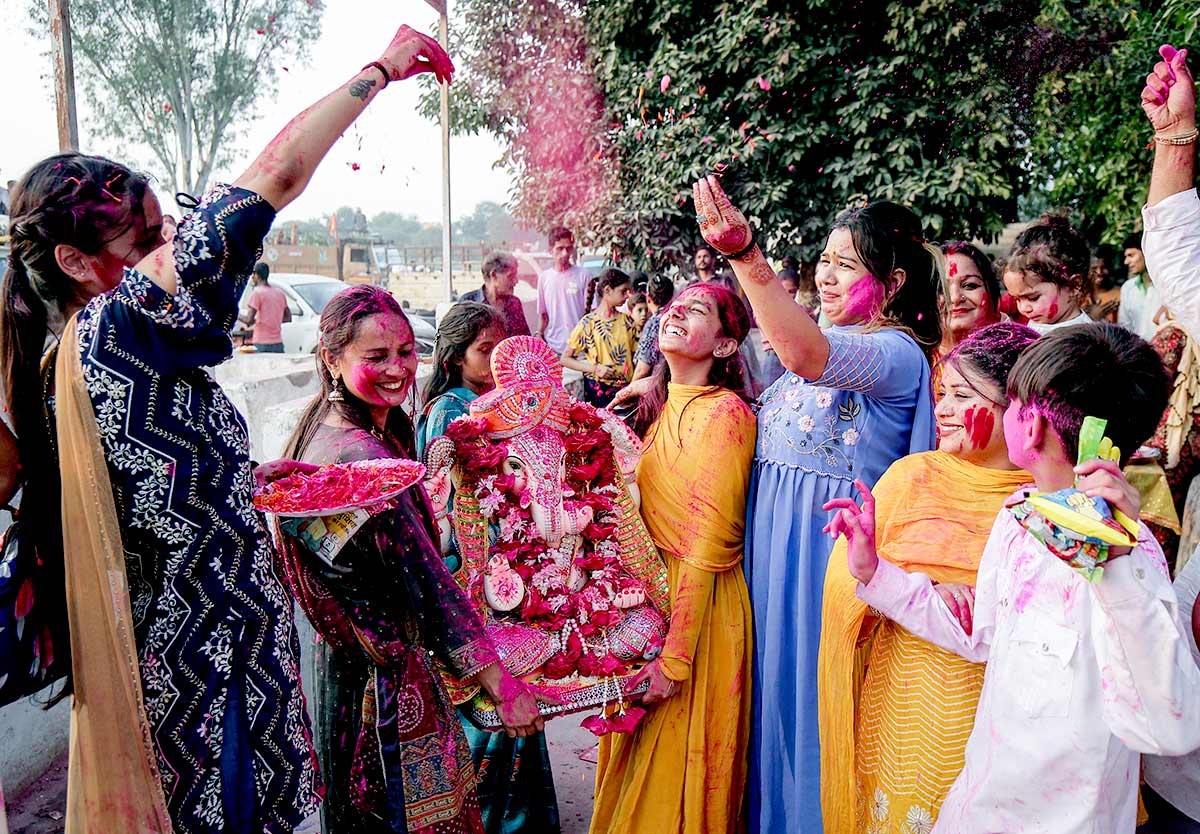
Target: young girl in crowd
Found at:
x=892, y=745
x=187, y=712
x=391, y=748
x=1046, y=274
x=856, y=398
x=639, y=310
x=683, y=769
x=603, y=343
x=1082, y=675
x=462, y=366
x=659, y=291
x=515, y=784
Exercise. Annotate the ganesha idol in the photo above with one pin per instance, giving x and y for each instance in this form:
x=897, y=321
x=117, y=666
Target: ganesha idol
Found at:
x=536, y=497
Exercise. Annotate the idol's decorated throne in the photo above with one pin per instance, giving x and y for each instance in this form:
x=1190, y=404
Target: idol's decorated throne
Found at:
x=537, y=500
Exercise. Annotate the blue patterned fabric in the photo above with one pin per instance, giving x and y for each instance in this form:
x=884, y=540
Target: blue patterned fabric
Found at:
x=871, y=406
x=212, y=621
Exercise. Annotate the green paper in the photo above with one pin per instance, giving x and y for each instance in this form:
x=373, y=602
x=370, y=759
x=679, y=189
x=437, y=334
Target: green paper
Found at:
x=1091, y=435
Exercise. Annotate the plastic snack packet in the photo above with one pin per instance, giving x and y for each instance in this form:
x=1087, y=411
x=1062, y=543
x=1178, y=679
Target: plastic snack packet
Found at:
x=1077, y=528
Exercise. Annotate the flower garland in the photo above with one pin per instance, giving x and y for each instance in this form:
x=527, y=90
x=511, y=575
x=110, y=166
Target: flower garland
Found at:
x=577, y=613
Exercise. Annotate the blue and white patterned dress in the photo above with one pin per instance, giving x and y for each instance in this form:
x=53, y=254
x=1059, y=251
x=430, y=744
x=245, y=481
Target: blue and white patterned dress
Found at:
x=212, y=620
x=871, y=406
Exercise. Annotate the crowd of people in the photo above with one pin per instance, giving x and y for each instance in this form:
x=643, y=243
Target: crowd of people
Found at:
x=863, y=637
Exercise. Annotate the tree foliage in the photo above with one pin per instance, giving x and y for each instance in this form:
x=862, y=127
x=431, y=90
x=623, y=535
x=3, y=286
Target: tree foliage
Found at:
x=965, y=110
x=1089, y=151
x=181, y=77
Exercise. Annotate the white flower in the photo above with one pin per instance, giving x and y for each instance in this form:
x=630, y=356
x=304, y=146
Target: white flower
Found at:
x=824, y=399
x=850, y=437
x=918, y=820
x=806, y=423
x=791, y=394
x=489, y=503
x=879, y=805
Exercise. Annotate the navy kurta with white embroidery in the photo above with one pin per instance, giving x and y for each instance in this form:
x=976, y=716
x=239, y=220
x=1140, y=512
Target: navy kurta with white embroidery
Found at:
x=210, y=613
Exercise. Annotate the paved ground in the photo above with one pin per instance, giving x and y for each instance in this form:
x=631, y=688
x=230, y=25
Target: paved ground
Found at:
x=39, y=809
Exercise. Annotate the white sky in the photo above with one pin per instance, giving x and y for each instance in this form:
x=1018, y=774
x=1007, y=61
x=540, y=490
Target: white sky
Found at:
x=389, y=135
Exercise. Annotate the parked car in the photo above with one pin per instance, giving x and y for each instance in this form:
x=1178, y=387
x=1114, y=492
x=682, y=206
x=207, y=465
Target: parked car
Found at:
x=532, y=264
x=307, y=295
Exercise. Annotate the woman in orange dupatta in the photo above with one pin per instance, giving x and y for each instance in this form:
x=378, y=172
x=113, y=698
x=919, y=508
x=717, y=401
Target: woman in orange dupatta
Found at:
x=895, y=710
x=683, y=771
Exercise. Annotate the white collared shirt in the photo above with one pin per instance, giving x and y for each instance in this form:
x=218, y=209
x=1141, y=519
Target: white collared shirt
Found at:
x=1140, y=303
x=1171, y=247
x=1177, y=779
x=1080, y=678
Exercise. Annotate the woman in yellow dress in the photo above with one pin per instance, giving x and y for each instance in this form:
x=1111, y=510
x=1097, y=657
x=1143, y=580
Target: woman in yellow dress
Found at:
x=895, y=710
x=683, y=771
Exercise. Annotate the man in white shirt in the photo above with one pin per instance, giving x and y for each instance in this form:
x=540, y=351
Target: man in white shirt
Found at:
x=1081, y=676
x=561, y=292
x=1140, y=298
x=1171, y=245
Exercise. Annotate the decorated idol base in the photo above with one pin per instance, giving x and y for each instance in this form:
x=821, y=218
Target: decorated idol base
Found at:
x=537, y=491
x=577, y=693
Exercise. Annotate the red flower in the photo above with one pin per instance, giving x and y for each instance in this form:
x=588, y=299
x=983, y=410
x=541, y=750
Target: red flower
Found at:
x=597, y=724
x=599, y=532
x=559, y=666
x=628, y=722
x=587, y=471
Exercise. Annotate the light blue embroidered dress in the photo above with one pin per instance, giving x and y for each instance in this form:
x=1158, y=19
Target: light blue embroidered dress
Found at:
x=871, y=406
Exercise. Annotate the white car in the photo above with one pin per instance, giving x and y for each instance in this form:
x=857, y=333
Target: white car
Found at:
x=307, y=295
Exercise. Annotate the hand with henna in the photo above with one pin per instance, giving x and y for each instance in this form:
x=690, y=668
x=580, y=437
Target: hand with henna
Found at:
x=723, y=226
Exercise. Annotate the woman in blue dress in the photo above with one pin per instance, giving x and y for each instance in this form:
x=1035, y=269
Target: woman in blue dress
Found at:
x=854, y=398
x=187, y=712
x=515, y=783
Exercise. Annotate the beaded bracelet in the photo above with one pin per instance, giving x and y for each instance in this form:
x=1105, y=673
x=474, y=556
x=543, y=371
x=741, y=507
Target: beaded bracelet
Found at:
x=1178, y=139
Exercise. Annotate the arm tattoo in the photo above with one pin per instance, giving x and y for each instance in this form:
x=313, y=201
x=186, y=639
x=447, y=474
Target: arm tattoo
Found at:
x=761, y=273
x=361, y=88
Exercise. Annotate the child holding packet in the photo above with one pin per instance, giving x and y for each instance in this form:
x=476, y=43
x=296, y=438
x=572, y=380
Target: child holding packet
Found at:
x=1082, y=675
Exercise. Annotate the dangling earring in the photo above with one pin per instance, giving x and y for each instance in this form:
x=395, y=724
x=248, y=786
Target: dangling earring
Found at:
x=335, y=396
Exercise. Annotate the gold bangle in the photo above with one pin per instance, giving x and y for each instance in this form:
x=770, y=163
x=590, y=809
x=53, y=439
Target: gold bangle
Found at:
x=1179, y=138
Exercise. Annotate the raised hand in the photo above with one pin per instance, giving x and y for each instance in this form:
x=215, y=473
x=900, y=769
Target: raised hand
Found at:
x=1169, y=97
x=857, y=524
x=721, y=223
x=960, y=599
x=411, y=53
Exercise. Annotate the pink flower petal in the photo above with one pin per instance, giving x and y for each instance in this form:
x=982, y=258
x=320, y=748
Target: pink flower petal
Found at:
x=666, y=82
x=763, y=84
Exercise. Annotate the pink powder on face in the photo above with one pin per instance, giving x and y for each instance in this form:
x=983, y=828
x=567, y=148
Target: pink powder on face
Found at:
x=364, y=381
x=953, y=269
x=864, y=299
x=979, y=423
x=1052, y=313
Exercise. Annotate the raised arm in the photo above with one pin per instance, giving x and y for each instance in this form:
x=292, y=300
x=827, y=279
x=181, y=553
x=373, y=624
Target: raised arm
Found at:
x=1169, y=99
x=796, y=338
x=283, y=169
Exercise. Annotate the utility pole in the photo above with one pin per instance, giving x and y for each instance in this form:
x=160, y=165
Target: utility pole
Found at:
x=64, y=75
x=447, y=267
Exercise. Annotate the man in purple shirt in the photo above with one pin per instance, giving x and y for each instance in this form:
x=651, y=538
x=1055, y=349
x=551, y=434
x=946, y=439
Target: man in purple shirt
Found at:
x=562, y=292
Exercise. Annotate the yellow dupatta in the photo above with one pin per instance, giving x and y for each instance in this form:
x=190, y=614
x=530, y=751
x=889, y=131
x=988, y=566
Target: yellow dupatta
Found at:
x=933, y=514
x=113, y=781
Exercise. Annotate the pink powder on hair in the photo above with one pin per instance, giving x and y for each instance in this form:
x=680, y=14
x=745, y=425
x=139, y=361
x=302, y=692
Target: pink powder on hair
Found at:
x=953, y=269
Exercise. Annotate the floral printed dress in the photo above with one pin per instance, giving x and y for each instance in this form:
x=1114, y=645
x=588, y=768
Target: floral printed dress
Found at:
x=871, y=406
x=216, y=640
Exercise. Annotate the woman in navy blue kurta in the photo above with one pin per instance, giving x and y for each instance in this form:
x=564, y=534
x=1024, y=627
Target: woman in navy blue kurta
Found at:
x=218, y=697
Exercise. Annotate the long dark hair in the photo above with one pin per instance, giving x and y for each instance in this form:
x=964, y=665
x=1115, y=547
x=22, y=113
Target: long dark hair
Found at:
x=887, y=236
x=991, y=282
x=339, y=327
x=726, y=372
x=82, y=201
x=460, y=327
x=609, y=278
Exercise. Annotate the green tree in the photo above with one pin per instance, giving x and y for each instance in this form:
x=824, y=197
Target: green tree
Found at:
x=805, y=110
x=1088, y=150
x=182, y=77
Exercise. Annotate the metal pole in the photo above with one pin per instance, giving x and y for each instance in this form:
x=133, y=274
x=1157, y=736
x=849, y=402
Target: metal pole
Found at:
x=64, y=75
x=447, y=267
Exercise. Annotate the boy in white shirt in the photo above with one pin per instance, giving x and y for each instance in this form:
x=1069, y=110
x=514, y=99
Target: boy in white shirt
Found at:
x=1081, y=677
